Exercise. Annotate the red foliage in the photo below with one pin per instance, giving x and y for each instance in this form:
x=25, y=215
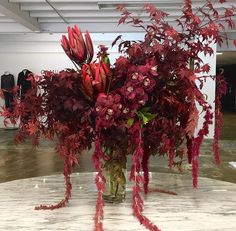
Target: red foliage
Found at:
x=143, y=105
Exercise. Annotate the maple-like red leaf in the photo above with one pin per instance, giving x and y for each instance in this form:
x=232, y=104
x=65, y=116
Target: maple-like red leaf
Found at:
x=122, y=19
x=192, y=78
x=219, y=40
x=207, y=50
x=228, y=13
x=5, y=122
x=206, y=68
x=69, y=84
x=196, y=19
x=221, y=26
x=230, y=23
x=209, y=5
x=137, y=21
x=32, y=128
x=120, y=7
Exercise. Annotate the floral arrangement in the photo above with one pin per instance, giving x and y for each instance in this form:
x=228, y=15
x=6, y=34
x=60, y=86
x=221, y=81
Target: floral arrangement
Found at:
x=144, y=104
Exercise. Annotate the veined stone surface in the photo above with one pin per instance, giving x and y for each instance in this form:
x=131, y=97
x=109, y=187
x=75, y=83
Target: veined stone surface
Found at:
x=211, y=207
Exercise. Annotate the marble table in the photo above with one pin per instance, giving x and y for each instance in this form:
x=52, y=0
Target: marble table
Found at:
x=211, y=207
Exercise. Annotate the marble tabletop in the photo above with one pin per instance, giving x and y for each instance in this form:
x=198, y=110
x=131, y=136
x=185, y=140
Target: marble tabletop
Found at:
x=211, y=207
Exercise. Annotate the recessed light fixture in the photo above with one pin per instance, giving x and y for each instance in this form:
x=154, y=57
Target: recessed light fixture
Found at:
x=219, y=53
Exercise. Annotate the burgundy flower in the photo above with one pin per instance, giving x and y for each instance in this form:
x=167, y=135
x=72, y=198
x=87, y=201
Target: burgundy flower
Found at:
x=128, y=91
x=108, y=109
x=149, y=83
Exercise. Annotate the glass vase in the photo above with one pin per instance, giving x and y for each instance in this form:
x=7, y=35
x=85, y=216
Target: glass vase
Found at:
x=115, y=174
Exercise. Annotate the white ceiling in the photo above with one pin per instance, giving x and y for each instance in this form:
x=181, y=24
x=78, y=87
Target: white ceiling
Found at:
x=27, y=16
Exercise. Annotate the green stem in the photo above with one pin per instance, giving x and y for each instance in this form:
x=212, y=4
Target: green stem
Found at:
x=117, y=186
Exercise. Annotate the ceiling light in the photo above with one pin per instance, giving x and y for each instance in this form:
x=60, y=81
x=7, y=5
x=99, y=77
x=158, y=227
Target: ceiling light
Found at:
x=219, y=53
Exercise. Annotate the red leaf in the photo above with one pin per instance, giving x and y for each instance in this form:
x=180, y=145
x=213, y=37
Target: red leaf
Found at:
x=137, y=21
x=209, y=5
x=228, y=13
x=120, y=7
x=115, y=41
x=122, y=20
x=230, y=23
x=32, y=128
x=192, y=122
x=221, y=26
x=193, y=78
x=206, y=68
x=69, y=84
x=235, y=42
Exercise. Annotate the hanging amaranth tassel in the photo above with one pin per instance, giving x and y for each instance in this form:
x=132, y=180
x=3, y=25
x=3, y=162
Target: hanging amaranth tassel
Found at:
x=100, y=183
x=221, y=88
x=198, y=141
x=135, y=175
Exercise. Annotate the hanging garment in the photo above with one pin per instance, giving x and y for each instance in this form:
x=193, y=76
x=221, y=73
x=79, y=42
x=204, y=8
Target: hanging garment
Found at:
x=7, y=85
x=23, y=83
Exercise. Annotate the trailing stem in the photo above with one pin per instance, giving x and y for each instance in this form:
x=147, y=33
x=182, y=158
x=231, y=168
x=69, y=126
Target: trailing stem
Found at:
x=221, y=88
x=66, y=172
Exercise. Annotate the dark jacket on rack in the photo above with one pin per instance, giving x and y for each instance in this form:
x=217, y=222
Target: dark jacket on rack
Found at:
x=7, y=85
x=23, y=83
x=7, y=82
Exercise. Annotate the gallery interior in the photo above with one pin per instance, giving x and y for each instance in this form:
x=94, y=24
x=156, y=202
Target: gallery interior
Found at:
x=30, y=42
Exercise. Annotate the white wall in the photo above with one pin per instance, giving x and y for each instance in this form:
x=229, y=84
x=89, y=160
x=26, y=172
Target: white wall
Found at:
x=209, y=86
x=38, y=52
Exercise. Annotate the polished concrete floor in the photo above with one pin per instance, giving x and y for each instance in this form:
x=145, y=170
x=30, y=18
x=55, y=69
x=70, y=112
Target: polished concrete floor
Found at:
x=23, y=161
